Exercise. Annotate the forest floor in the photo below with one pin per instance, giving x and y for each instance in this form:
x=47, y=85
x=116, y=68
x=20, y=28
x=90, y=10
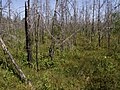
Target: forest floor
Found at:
x=82, y=67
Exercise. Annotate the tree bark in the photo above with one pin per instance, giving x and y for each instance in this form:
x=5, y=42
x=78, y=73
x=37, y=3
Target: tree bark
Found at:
x=20, y=72
x=93, y=14
x=98, y=24
x=36, y=17
x=27, y=32
x=52, y=46
x=0, y=10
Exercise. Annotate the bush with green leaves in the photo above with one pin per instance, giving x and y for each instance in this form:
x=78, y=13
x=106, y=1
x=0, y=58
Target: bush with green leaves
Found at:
x=105, y=75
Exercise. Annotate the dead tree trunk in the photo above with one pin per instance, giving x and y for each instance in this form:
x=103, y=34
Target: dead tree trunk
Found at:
x=86, y=20
x=93, y=14
x=98, y=24
x=9, y=14
x=66, y=12
x=52, y=46
x=109, y=18
x=83, y=16
x=41, y=23
x=62, y=24
x=47, y=12
x=0, y=10
x=21, y=74
x=36, y=17
x=27, y=32
x=75, y=20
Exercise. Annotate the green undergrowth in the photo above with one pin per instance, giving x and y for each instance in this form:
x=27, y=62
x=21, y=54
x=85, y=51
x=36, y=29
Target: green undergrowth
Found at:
x=82, y=67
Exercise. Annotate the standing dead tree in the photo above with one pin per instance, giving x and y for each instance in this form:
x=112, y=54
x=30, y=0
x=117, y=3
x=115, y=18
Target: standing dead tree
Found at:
x=74, y=20
x=93, y=15
x=36, y=24
x=66, y=12
x=0, y=16
x=62, y=8
x=98, y=24
x=83, y=16
x=41, y=23
x=0, y=10
x=27, y=32
x=47, y=12
x=54, y=22
x=9, y=14
x=109, y=21
x=86, y=19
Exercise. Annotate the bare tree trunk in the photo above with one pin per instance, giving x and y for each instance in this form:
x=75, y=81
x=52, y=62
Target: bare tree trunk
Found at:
x=52, y=46
x=66, y=12
x=93, y=14
x=0, y=17
x=21, y=74
x=27, y=30
x=109, y=20
x=83, y=16
x=75, y=19
x=36, y=17
x=9, y=14
x=37, y=35
x=47, y=12
x=98, y=24
x=86, y=19
x=62, y=23
x=0, y=11
x=41, y=24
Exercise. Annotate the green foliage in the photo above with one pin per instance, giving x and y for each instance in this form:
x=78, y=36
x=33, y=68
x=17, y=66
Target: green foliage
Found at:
x=81, y=67
x=116, y=22
x=104, y=76
x=46, y=64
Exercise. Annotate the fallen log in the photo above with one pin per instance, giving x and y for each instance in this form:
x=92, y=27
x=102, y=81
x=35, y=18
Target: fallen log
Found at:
x=21, y=74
